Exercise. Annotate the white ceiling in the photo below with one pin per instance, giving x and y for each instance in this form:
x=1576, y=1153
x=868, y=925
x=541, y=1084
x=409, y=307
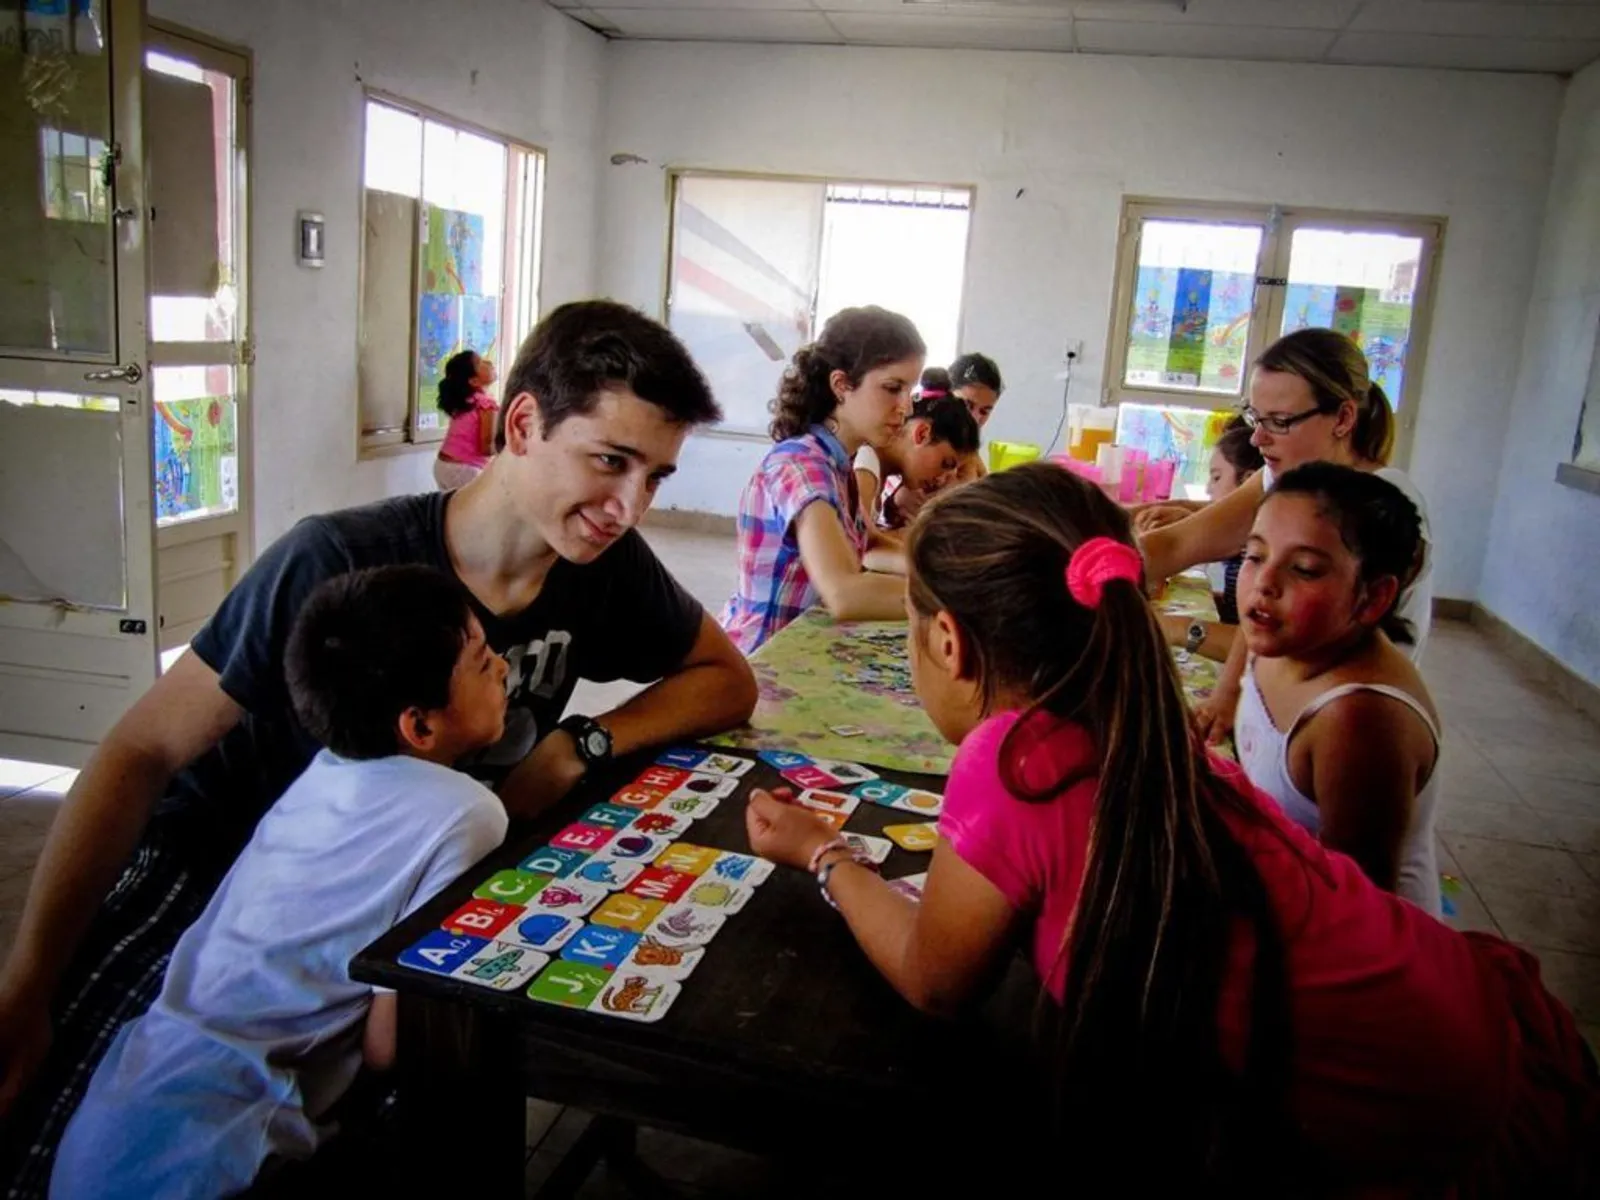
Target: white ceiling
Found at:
x=1558, y=36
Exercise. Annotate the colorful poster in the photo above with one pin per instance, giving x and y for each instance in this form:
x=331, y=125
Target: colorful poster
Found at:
x=1382, y=328
x=452, y=258
x=480, y=325
x=1188, y=328
x=196, y=466
x=438, y=334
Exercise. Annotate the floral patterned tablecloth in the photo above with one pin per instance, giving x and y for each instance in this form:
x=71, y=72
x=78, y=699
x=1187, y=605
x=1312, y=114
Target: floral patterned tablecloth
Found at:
x=819, y=676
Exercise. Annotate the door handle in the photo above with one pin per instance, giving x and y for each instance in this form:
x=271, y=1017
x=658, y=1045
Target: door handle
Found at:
x=131, y=373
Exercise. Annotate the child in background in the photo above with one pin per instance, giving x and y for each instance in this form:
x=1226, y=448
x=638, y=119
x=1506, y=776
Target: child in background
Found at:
x=1241, y=1011
x=1233, y=461
x=1334, y=721
x=802, y=537
x=463, y=398
x=922, y=459
x=259, y=1029
x=934, y=384
x=976, y=379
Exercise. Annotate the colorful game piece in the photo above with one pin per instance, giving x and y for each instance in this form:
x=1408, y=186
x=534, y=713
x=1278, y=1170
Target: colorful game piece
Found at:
x=481, y=918
x=845, y=772
x=569, y=984
x=880, y=791
x=685, y=759
x=686, y=925
x=553, y=861
x=579, y=836
x=725, y=764
x=782, y=760
x=740, y=868
x=876, y=849
x=569, y=898
x=659, y=883
x=601, y=946
x=718, y=894
x=923, y=835
x=810, y=776
x=622, y=911
x=657, y=958
x=637, y=997
x=688, y=858
x=503, y=966
x=827, y=801
x=846, y=731
x=662, y=779
x=686, y=804
x=667, y=824
x=910, y=885
x=611, y=873
x=714, y=786
x=611, y=816
x=928, y=803
x=542, y=931
x=441, y=952
x=641, y=847
x=635, y=796
x=511, y=887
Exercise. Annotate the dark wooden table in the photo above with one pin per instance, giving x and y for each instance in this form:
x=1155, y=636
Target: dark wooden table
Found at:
x=783, y=1037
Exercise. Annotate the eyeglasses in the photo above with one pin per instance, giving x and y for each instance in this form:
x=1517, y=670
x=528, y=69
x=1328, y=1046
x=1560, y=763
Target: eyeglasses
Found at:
x=1276, y=424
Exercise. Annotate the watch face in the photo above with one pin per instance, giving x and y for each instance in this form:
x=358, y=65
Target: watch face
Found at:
x=596, y=743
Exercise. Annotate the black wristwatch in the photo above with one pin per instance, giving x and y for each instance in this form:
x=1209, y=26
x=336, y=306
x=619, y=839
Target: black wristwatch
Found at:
x=591, y=739
x=1196, y=638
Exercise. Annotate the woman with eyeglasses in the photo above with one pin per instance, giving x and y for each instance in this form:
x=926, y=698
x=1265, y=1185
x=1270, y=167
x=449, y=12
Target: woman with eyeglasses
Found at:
x=1312, y=399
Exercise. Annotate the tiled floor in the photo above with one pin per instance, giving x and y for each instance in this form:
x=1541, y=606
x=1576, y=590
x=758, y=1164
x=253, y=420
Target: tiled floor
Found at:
x=1519, y=832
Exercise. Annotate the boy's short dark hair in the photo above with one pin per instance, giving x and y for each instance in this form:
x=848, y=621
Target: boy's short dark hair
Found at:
x=581, y=347
x=369, y=645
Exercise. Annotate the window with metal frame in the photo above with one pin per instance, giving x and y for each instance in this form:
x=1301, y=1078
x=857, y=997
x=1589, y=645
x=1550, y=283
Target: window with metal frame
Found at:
x=451, y=230
x=1202, y=290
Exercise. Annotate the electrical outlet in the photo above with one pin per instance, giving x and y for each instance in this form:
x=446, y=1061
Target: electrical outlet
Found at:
x=1072, y=352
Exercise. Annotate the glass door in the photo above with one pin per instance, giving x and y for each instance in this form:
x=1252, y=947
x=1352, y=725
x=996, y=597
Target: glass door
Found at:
x=200, y=350
x=77, y=626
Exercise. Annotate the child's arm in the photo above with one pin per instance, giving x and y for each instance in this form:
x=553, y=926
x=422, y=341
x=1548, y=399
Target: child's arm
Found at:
x=486, y=422
x=1216, y=646
x=848, y=592
x=871, y=495
x=1214, y=533
x=1214, y=718
x=1364, y=757
x=937, y=954
x=378, y=1040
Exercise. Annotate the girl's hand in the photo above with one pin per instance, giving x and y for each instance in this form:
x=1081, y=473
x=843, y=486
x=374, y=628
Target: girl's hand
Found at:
x=782, y=831
x=1154, y=516
x=1213, y=719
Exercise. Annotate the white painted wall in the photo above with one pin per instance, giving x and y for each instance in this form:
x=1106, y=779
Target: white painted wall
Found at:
x=1542, y=569
x=513, y=66
x=1073, y=135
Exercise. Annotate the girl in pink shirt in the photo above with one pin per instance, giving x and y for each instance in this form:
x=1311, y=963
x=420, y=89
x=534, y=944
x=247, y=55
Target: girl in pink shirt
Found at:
x=463, y=398
x=1235, y=1003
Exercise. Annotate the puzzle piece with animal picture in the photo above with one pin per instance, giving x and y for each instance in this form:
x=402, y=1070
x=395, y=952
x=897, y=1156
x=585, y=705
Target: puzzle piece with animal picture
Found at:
x=503, y=966
x=686, y=925
x=894, y=795
x=636, y=996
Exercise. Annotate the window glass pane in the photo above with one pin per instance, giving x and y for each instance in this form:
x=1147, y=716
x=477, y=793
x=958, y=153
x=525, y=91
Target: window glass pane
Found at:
x=902, y=248
x=1177, y=432
x=1362, y=284
x=394, y=150
x=1189, y=323
x=195, y=445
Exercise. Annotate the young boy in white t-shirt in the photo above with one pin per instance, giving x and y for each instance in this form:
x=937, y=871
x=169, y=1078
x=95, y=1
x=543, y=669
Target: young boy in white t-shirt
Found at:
x=259, y=1028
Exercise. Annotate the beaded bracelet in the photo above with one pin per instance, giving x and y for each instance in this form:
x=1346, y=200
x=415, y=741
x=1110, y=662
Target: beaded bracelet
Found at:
x=826, y=873
x=839, y=842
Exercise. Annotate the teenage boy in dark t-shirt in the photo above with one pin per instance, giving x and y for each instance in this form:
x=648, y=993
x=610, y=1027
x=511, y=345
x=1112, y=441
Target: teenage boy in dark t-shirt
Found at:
x=599, y=403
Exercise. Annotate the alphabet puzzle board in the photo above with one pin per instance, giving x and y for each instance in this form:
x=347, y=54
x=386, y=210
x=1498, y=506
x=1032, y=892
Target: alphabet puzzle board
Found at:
x=617, y=910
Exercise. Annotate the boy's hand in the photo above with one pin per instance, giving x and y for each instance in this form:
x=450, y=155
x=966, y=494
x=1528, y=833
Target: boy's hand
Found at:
x=783, y=831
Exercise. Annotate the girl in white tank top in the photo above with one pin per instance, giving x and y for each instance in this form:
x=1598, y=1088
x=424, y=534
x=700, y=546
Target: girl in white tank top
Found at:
x=1334, y=722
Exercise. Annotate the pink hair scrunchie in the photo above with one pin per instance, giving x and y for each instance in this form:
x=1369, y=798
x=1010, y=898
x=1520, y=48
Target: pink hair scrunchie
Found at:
x=1096, y=563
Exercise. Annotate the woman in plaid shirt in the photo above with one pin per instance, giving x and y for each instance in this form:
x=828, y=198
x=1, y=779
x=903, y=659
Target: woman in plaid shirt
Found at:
x=850, y=388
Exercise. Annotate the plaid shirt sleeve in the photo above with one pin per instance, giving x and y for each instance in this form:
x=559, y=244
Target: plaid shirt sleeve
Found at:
x=795, y=481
